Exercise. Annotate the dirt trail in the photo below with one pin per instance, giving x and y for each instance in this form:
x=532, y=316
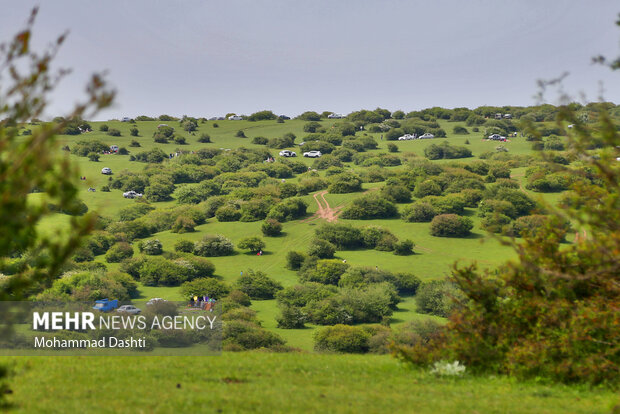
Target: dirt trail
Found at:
x=325, y=211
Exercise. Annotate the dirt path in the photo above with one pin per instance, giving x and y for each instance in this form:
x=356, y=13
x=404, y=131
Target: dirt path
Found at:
x=325, y=211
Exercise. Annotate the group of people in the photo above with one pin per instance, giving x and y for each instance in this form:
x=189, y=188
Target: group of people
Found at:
x=204, y=303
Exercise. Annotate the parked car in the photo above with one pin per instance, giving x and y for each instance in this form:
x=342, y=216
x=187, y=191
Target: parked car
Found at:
x=284, y=117
x=132, y=194
x=287, y=153
x=125, y=119
x=497, y=137
x=312, y=154
x=407, y=137
x=428, y=135
x=105, y=305
x=106, y=171
x=113, y=148
x=130, y=309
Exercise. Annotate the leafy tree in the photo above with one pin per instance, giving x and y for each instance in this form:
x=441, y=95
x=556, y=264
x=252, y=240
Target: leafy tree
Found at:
x=93, y=156
x=134, y=132
x=213, y=245
x=32, y=161
x=396, y=193
x=370, y=207
x=459, y=130
x=451, y=225
x=257, y=285
x=419, y=212
x=189, y=125
x=204, y=286
x=294, y=260
x=404, y=248
x=342, y=338
x=184, y=246
x=398, y=114
x=253, y=244
x=312, y=126
x=183, y=224
x=321, y=249
x=436, y=298
x=262, y=116
x=260, y=140
x=327, y=272
x=204, y=138
x=271, y=228
x=552, y=312
x=113, y=132
x=310, y=116
x=119, y=252
x=151, y=247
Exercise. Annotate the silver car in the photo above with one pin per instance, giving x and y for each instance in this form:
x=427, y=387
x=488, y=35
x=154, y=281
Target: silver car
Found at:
x=312, y=154
x=287, y=153
x=132, y=194
x=106, y=171
x=130, y=309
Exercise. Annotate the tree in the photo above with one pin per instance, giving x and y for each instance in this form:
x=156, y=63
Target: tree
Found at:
x=134, y=132
x=342, y=338
x=204, y=138
x=322, y=249
x=253, y=244
x=554, y=312
x=93, y=156
x=204, y=286
x=262, y=116
x=213, y=245
x=189, y=125
x=312, y=126
x=27, y=81
x=151, y=247
x=257, y=285
x=451, y=225
x=271, y=228
x=310, y=116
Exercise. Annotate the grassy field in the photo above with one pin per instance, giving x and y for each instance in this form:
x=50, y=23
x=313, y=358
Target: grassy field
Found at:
x=277, y=383
x=433, y=259
x=271, y=382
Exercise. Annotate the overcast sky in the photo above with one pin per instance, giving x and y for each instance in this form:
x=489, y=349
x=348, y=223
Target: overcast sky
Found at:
x=207, y=58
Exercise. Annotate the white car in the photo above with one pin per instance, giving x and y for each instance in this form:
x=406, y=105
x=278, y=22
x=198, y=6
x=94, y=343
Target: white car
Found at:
x=106, y=171
x=287, y=153
x=130, y=309
x=132, y=194
x=312, y=154
x=153, y=301
x=497, y=137
x=428, y=135
x=407, y=137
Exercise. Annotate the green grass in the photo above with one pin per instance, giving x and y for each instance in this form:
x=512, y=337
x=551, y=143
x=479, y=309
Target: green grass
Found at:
x=277, y=383
x=433, y=256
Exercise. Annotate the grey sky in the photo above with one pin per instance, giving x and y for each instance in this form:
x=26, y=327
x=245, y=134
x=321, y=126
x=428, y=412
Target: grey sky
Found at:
x=206, y=58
